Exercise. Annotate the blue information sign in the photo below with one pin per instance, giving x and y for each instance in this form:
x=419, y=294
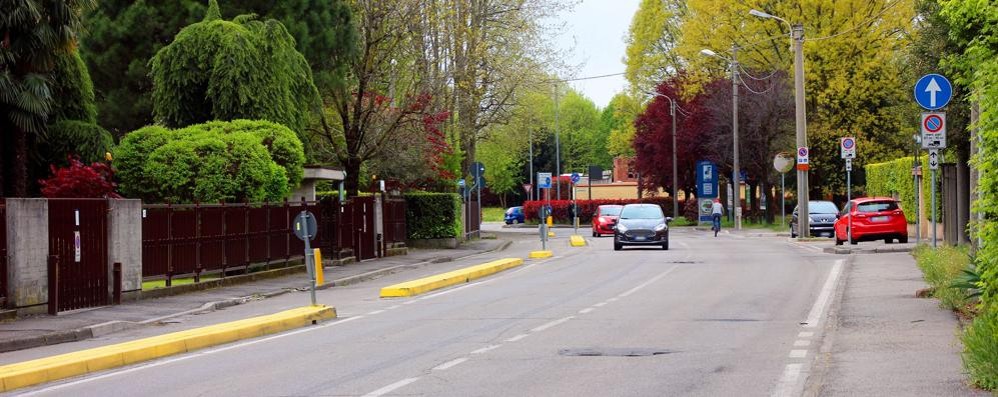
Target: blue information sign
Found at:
x=576, y=177
x=933, y=91
x=707, y=179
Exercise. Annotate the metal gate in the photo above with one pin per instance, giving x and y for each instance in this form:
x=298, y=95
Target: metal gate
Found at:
x=363, y=221
x=78, y=253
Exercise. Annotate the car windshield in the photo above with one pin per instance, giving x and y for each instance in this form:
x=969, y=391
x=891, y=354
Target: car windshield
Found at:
x=512, y=210
x=641, y=212
x=877, y=206
x=822, y=207
x=610, y=210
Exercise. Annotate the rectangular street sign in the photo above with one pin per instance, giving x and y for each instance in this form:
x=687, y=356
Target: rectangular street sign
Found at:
x=543, y=180
x=848, y=164
x=934, y=159
x=933, y=130
x=848, y=146
x=803, y=161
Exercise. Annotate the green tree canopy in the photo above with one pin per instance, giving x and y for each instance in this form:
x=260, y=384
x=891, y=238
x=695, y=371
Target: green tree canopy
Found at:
x=617, y=120
x=226, y=70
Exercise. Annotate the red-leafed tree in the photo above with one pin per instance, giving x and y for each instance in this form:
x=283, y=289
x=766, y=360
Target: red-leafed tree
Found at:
x=653, y=138
x=79, y=180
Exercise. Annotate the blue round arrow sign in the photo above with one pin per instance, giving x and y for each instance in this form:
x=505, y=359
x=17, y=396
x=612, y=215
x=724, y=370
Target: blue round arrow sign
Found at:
x=933, y=91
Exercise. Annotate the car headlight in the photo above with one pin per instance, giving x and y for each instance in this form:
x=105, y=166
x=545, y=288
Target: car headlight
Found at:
x=660, y=227
x=622, y=228
x=810, y=218
x=603, y=219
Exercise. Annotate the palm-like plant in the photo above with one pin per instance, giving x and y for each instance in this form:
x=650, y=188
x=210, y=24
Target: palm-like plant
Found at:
x=32, y=34
x=969, y=281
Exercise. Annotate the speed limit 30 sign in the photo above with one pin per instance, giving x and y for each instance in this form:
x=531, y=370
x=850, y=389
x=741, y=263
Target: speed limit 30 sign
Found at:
x=848, y=146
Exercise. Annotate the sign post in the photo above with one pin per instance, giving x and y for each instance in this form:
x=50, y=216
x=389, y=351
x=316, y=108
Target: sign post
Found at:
x=575, y=204
x=933, y=165
x=803, y=164
x=848, y=146
x=544, y=182
x=933, y=92
x=305, y=229
x=783, y=163
x=707, y=189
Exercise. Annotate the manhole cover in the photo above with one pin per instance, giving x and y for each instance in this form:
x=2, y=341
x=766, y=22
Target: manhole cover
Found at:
x=613, y=352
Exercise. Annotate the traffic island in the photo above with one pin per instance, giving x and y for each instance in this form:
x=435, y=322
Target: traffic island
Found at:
x=443, y=280
x=540, y=254
x=577, y=241
x=48, y=369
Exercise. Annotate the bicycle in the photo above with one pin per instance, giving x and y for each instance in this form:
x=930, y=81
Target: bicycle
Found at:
x=716, y=227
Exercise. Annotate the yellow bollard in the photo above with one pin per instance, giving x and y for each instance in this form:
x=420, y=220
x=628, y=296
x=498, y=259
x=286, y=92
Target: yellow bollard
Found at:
x=317, y=257
x=550, y=221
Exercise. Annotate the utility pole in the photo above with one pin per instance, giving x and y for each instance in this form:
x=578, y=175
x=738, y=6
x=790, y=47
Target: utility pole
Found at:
x=803, y=223
x=557, y=145
x=530, y=142
x=675, y=174
x=735, y=172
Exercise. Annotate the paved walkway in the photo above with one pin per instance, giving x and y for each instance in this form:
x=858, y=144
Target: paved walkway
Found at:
x=885, y=341
x=41, y=330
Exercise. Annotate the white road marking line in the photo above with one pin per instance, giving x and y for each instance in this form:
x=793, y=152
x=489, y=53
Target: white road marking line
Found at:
x=486, y=349
x=601, y=304
x=798, y=353
x=552, y=324
x=802, y=343
x=612, y=300
x=388, y=389
x=818, y=310
x=375, y=312
x=586, y=310
x=189, y=356
x=805, y=334
x=450, y=364
x=516, y=338
x=408, y=303
x=647, y=283
x=788, y=381
x=394, y=307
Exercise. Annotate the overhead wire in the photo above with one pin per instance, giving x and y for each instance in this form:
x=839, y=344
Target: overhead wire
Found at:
x=859, y=25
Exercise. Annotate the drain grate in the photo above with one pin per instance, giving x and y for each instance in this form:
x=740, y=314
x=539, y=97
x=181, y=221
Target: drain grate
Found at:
x=613, y=352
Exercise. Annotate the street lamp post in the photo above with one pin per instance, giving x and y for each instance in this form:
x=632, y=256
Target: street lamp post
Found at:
x=797, y=40
x=675, y=173
x=735, y=171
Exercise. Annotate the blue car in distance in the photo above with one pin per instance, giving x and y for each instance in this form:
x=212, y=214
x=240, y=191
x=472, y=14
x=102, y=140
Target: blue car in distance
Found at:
x=515, y=215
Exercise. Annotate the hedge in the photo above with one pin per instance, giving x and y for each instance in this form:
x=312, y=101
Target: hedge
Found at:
x=887, y=178
x=432, y=215
x=560, y=208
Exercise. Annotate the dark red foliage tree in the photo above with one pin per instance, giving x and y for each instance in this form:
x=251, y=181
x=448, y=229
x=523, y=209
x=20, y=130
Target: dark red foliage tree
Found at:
x=80, y=181
x=653, y=138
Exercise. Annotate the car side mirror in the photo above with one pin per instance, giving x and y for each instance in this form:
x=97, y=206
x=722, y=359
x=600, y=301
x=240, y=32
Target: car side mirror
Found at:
x=838, y=216
x=668, y=219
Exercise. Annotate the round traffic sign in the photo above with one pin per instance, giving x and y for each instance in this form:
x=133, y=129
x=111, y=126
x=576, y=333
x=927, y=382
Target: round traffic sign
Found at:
x=933, y=91
x=305, y=226
x=802, y=152
x=848, y=143
x=933, y=123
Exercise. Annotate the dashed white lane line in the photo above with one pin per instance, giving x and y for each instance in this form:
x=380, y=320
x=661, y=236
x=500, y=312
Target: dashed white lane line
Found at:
x=647, y=283
x=818, y=310
x=802, y=343
x=486, y=349
x=450, y=364
x=375, y=312
x=586, y=310
x=612, y=299
x=805, y=334
x=516, y=338
x=788, y=380
x=552, y=324
x=601, y=304
x=388, y=389
x=394, y=307
x=797, y=353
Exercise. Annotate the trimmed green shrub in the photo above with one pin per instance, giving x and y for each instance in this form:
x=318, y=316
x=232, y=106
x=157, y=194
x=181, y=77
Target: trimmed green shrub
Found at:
x=432, y=215
x=87, y=140
x=227, y=70
x=980, y=354
x=218, y=161
x=941, y=267
x=887, y=178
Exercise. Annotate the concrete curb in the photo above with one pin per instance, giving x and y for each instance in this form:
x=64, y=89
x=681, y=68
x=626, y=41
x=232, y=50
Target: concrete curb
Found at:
x=881, y=250
x=98, y=330
x=437, y=281
x=33, y=372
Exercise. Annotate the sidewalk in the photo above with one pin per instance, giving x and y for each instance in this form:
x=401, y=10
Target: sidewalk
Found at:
x=882, y=340
x=42, y=330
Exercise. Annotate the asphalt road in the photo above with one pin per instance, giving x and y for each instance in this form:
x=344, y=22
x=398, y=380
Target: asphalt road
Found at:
x=711, y=316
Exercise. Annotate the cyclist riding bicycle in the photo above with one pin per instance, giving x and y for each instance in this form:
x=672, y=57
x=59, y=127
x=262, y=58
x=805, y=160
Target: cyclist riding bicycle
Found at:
x=715, y=213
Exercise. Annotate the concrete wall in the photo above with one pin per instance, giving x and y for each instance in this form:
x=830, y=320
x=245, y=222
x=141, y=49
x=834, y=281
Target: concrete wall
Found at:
x=379, y=224
x=125, y=242
x=27, y=251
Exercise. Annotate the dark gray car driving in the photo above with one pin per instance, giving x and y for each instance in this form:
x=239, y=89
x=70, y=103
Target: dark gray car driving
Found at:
x=641, y=224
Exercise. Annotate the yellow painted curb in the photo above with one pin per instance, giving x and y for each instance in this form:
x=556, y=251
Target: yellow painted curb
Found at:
x=577, y=241
x=437, y=281
x=550, y=234
x=540, y=254
x=48, y=369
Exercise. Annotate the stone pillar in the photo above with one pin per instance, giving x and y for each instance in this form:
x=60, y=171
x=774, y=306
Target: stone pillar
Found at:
x=379, y=224
x=124, y=244
x=27, y=253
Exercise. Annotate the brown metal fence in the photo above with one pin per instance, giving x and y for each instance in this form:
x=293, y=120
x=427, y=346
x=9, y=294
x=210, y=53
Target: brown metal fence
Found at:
x=473, y=219
x=78, y=256
x=394, y=219
x=193, y=239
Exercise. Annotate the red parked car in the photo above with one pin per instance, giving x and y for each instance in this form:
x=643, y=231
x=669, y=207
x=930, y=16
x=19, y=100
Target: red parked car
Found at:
x=605, y=219
x=873, y=218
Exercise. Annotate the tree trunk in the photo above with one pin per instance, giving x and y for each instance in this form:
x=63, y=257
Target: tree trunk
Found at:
x=352, y=181
x=19, y=164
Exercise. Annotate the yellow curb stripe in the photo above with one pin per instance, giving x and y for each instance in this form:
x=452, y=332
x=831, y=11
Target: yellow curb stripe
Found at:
x=426, y=284
x=541, y=254
x=577, y=241
x=33, y=372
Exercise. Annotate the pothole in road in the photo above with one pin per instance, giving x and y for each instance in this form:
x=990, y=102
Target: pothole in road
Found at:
x=613, y=352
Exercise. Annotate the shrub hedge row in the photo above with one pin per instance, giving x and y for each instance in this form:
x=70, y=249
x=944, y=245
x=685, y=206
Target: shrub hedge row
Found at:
x=432, y=215
x=560, y=208
x=887, y=178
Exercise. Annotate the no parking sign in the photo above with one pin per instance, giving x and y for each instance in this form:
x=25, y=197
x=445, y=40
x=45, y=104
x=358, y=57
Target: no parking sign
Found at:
x=848, y=145
x=803, y=163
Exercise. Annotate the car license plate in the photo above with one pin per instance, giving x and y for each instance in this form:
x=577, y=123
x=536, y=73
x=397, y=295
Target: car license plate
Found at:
x=639, y=238
x=880, y=219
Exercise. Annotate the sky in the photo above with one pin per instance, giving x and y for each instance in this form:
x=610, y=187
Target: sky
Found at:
x=594, y=32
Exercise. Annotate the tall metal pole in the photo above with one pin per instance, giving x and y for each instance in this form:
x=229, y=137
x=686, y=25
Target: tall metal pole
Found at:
x=783, y=198
x=557, y=145
x=735, y=172
x=675, y=173
x=803, y=222
x=530, y=140
x=933, y=204
x=918, y=194
x=849, y=198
